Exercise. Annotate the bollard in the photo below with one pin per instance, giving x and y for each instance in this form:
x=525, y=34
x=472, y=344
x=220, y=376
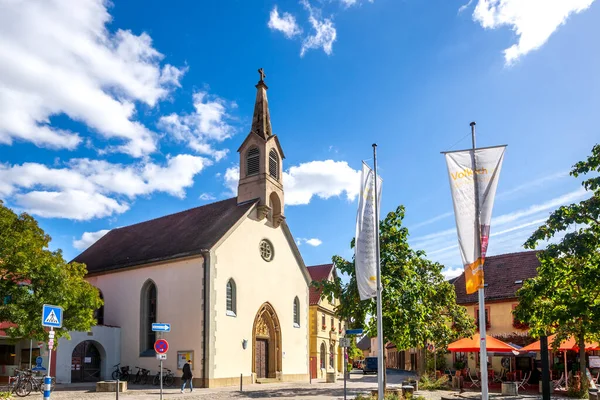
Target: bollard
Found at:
x=47, y=386
x=241, y=388
x=117, y=397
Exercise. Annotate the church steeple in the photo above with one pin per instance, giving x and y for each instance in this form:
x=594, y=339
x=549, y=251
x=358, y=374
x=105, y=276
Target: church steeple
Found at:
x=261, y=120
x=261, y=159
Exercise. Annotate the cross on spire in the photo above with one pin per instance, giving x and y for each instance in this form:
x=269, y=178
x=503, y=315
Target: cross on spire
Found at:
x=262, y=74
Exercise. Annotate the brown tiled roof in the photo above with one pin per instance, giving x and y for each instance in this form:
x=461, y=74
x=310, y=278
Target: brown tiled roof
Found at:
x=317, y=274
x=173, y=236
x=500, y=272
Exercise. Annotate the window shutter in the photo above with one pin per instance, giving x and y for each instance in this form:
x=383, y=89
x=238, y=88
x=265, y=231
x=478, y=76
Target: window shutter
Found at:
x=253, y=162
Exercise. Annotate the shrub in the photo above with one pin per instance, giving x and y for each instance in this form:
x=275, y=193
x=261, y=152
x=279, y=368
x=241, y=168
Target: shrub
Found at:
x=579, y=391
x=430, y=383
x=5, y=396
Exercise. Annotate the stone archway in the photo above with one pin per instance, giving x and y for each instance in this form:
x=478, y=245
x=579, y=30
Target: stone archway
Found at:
x=87, y=362
x=266, y=343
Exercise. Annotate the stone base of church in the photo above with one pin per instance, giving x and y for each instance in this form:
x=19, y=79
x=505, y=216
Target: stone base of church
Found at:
x=248, y=380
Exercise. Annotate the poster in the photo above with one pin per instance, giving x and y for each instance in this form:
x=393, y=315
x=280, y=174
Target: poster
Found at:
x=594, y=362
x=183, y=356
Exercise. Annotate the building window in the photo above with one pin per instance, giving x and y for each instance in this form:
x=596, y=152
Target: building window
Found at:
x=488, y=322
x=99, y=313
x=332, y=324
x=340, y=327
x=296, y=313
x=266, y=250
x=231, y=298
x=7, y=354
x=331, y=355
x=253, y=161
x=148, y=317
x=323, y=326
x=323, y=355
x=273, y=164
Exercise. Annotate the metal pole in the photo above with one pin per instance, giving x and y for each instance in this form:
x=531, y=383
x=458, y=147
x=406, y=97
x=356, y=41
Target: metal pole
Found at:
x=161, y=379
x=30, y=351
x=481, y=292
x=345, y=366
x=545, y=368
x=117, y=393
x=380, y=364
x=241, y=388
x=48, y=379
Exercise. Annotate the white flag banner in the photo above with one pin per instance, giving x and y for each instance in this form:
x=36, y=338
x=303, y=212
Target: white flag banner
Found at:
x=486, y=163
x=365, y=247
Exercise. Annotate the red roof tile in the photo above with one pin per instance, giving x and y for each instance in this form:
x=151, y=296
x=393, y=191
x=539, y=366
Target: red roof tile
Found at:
x=317, y=274
x=4, y=325
x=501, y=272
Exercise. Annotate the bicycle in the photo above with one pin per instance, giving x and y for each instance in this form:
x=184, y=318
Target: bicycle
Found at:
x=141, y=376
x=121, y=373
x=168, y=378
x=17, y=385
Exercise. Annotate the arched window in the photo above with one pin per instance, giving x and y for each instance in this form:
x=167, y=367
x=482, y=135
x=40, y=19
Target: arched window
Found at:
x=253, y=161
x=323, y=326
x=331, y=355
x=99, y=313
x=148, y=317
x=296, y=313
x=323, y=355
x=273, y=164
x=231, y=298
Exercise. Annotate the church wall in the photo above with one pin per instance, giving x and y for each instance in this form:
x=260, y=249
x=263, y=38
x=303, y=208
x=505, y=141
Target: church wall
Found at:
x=179, y=302
x=277, y=282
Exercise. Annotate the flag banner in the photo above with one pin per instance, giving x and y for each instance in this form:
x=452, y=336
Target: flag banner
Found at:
x=365, y=246
x=463, y=166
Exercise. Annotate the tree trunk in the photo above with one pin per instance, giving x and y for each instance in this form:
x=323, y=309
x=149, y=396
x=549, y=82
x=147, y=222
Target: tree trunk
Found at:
x=422, y=366
x=582, y=365
x=384, y=372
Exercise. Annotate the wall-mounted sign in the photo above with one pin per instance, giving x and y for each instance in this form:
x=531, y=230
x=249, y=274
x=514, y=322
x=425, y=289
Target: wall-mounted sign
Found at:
x=183, y=356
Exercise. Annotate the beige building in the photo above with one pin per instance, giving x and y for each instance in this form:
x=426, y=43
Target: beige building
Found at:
x=325, y=327
x=227, y=276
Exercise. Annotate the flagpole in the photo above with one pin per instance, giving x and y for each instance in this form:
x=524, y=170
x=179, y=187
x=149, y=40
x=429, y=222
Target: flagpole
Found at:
x=481, y=293
x=380, y=355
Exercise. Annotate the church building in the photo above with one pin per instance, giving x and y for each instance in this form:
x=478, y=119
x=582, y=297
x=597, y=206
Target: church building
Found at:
x=227, y=276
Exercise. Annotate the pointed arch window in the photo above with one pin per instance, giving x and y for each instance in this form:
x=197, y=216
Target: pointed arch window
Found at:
x=323, y=356
x=231, y=301
x=253, y=161
x=273, y=164
x=148, y=313
x=99, y=313
x=296, y=312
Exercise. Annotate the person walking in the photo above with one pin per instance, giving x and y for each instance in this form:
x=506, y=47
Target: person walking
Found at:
x=187, y=376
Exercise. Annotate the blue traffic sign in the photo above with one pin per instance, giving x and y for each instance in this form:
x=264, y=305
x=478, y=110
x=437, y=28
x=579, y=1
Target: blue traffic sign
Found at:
x=354, y=331
x=52, y=316
x=158, y=327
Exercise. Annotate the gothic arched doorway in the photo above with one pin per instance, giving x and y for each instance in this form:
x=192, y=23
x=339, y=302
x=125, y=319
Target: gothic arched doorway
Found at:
x=266, y=343
x=86, y=362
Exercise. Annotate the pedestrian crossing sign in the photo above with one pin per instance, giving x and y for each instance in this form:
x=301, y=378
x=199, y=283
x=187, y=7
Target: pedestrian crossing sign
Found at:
x=52, y=316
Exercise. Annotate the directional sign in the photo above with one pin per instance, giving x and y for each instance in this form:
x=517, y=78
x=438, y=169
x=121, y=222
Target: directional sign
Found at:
x=161, y=346
x=354, y=331
x=159, y=327
x=52, y=316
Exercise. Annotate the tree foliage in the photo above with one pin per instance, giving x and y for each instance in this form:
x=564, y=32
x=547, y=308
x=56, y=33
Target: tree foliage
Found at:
x=564, y=298
x=419, y=305
x=32, y=275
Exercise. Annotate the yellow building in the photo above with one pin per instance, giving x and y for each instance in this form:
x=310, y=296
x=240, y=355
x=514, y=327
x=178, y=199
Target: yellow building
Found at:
x=504, y=275
x=325, y=327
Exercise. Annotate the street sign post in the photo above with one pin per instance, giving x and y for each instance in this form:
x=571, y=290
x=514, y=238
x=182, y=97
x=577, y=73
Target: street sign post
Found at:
x=160, y=327
x=52, y=317
x=161, y=346
x=354, y=331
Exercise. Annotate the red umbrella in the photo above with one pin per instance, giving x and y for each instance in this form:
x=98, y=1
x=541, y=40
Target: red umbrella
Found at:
x=473, y=344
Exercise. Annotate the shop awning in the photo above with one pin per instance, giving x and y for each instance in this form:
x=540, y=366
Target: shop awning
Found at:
x=472, y=345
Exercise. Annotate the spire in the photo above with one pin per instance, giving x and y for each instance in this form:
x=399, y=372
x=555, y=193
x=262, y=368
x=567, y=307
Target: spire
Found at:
x=261, y=121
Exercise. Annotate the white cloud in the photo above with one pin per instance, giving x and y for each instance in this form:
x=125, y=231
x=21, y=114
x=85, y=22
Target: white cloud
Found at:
x=87, y=189
x=58, y=57
x=526, y=187
x=285, y=23
x=432, y=220
x=324, y=179
x=533, y=21
x=312, y=242
x=350, y=3
x=207, y=197
x=324, y=31
x=209, y=123
x=88, y=239
x=452, y=272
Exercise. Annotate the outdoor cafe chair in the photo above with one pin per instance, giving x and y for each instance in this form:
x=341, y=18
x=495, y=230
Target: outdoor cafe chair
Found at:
x=595, y=380
x=500, y=377
x=474, y=381
x=524, y=382
x=559, y=383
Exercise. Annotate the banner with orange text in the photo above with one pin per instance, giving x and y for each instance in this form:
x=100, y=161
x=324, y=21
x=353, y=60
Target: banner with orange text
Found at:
x=465, y=169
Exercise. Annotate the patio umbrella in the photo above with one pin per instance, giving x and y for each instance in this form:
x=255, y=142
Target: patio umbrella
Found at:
x=472, y=345
x=565, y=345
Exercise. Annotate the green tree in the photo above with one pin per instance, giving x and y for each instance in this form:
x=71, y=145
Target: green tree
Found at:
x=564, y=298
x=419, y=305
x=32, y=275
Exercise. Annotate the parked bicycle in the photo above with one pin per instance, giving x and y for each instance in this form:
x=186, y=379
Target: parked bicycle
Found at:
x=121, y=373
x=24, y=383
x=168, y=378
x=142, y=376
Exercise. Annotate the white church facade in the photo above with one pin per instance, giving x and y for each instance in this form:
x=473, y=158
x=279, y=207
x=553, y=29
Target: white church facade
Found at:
x=227, y=276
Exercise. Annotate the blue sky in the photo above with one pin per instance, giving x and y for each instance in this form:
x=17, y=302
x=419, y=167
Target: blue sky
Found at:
x=111, y=114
